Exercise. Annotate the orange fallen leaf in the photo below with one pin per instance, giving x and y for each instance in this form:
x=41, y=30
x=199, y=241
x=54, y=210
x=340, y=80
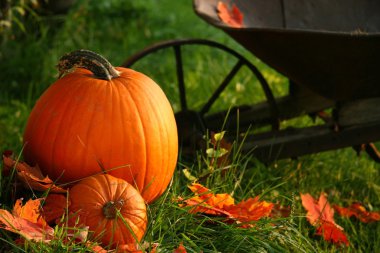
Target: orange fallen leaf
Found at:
x=31, y=211
x=216, y=200
x=129, y=248
x=137, y=248
x=31, y=177
x=198, y=206
x=359, y=211
x=224, y=205
x=97, y=248
x=207, y=202
x=317, y=211
x=25, y=228
x=321, y=215
x=231, y=16
x=250, y=210
x=180, y=249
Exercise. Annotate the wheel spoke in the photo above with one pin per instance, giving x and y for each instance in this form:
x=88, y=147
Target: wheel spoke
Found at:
x=177, y=44
x=180, y=79
x=221, y=88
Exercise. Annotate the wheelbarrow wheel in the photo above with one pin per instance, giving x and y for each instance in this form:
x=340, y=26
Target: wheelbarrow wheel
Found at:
x=192, y=124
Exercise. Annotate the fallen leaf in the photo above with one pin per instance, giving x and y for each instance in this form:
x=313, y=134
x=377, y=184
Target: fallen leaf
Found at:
x=359, y=211
x=317, y=211
x=129, y=248
x=199, y=206
x=180, y=249
x=224, y=205
x=137, y=248
x=250, y=210
x=55, y=206
x=207, y=202
x=31, y=211
x=31, y=177
x=321, y=215
x=96, y=248
x=331, y=232
x=25, y=228
x=206, y=196
x=280, y=211
x=231, y=16
x=6, y=169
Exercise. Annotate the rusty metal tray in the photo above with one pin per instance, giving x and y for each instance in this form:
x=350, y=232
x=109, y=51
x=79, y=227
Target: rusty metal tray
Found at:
x=330, y=46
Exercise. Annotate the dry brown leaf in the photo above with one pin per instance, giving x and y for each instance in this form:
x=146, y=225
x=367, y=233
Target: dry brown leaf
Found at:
x=280, y=211
x=55, y=206
x=31, y=177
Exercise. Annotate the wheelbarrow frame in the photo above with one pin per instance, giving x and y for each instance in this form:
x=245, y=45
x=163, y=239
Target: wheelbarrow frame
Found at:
x=338, y=132
x=354, y=121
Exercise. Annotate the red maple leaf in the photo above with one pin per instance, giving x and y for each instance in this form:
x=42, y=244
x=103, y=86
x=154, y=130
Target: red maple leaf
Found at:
x=331, y=232
x=321, y=215
x=231, y=16
x=317, y=210
x=359, y=211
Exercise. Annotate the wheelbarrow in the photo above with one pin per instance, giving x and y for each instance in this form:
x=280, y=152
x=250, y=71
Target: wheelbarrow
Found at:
x=328, y=50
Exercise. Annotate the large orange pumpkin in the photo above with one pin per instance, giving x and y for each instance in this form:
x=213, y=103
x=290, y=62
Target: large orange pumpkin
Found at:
x=97, y=118
x=113, y=210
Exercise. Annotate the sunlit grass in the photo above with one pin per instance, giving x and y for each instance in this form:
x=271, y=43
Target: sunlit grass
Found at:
x=117, y=31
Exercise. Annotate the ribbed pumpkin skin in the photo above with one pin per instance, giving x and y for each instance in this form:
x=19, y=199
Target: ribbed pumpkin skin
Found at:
x=82, y=125
x=88, y=198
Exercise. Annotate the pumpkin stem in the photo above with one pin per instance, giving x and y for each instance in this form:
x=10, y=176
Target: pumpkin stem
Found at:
x=87, y=59
x=111, y=208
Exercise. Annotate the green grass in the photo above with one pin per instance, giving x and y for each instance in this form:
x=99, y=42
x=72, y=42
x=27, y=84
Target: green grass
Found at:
x=117, y=30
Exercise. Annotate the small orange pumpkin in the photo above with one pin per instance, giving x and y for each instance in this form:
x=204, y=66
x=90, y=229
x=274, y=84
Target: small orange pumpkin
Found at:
x=114, y=210
x=98, y=118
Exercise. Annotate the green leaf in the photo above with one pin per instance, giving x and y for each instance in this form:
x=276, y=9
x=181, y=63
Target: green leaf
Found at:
x=188, y=175
x=216, y=153
x=219, y=136
x=20, y=10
